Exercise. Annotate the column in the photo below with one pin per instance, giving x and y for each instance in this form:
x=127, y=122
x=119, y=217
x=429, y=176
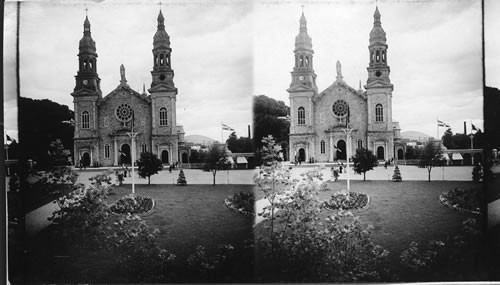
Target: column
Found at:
x=386, y=152
x=115, y=151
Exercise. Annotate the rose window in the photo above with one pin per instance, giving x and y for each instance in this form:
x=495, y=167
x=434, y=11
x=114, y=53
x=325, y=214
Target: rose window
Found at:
x=124, y=113
x=340, y=108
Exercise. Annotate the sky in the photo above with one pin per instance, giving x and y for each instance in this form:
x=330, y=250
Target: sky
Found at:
x=211, y=55
x=434, y=54
x=492, y=43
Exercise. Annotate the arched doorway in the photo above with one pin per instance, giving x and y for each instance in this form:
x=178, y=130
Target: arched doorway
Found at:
x=341, y=150
x=86, y=159
x=380, y=153
x=184, y=157
x=164, y=156
x=302, y=155
x=400, y=154
x=125, y=157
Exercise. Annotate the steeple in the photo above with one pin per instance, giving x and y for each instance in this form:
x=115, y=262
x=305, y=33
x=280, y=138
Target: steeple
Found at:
x=162, y=69
x=87, y=77
x=378, y=70
x=303, y=72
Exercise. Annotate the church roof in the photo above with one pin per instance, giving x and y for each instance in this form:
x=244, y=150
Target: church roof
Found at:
x=303, y=40
x=122, y=87
x=342, y=83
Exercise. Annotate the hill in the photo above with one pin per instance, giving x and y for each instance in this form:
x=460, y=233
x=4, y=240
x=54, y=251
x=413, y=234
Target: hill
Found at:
x=414, y=135
x=199, y=139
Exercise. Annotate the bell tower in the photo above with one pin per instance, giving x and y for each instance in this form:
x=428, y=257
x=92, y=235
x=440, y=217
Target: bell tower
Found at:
x=86, y=95
x=301, y=92
x=163, y=96
x=380, y=134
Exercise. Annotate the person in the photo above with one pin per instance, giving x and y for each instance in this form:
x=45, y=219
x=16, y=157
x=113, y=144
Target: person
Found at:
x=385, y=164
x=170, y=168
x=341, y=167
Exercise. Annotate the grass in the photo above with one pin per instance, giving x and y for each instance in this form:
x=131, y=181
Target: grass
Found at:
x=402, y=212
x=186, y=216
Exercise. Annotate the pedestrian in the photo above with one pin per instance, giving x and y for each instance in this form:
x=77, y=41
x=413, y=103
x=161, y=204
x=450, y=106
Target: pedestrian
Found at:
x=170, y=168
x=341, y=167
x=385, y=164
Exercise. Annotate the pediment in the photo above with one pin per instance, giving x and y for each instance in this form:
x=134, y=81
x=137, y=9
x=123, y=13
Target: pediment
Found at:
x=343, y=85
x=125, y=91
x=299, y=88
x=378, y=84
x=162, y=88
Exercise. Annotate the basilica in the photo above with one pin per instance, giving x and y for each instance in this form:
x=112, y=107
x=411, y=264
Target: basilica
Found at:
x=321, y=121
x=106, y=125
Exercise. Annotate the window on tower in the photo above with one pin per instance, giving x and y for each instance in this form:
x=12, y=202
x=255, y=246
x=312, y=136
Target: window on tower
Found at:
x=85, y=120
x=144, y=148
x=301, y=61
x=322, y=146
x=377, y=55
x=301, y=116
x=163, y=116
x=379, y=113
x=383, y=56
x=107, y=151
x=161, y=59
x=360, y=144
x=307, y=61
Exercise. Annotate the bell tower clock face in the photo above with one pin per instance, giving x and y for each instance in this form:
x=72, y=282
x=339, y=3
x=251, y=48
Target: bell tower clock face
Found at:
x=85, y=82
x=301, y=78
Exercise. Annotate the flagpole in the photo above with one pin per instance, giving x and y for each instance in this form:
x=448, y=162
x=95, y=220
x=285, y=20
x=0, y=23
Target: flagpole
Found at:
x=221, y=132
x=437, y=128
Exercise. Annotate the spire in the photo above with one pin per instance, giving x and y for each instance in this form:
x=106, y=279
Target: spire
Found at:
x=161, y=38
x=87, y=44
x=377, y=34
x=303, y=40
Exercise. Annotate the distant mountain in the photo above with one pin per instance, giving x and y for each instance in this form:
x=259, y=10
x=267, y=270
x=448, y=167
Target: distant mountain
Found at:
x=413, y=135
x=199, y=139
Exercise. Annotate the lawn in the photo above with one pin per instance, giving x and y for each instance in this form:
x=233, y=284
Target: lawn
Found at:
x=187, y=216
x=401, y=212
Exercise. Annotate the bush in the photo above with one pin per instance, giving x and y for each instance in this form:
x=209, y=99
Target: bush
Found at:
x=242, y=201
x=477, y=173
x=347, y=201
x=132, y=204
x=181, y=180
x=205, y=267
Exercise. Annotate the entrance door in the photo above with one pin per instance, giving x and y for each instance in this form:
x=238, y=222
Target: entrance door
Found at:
x=380, y=153
x=184, y=157
x=341, y=150
x=400, y=154
x=302, y=155
x=164, y=156
x=86, y=159
x=125, y=157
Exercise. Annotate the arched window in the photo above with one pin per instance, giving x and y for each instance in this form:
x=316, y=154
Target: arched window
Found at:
x=377, y=55
x=144, y=147
x=163, y=116
x=301, y=61
x=301, y=116
x=161, y=58
x=379, y=113
x=322, y=146
x=307, y=61
x=360, y=144
x=85, y=120
x=107, y=152
x=383, y=56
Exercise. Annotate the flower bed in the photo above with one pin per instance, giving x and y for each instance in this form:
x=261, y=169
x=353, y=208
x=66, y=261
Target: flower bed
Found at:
x=470, y=200
x=242, y=202
x=133, y=204
x=344, y=200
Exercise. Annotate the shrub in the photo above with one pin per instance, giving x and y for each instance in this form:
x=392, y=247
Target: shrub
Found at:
x=181, y=180
x=477, y=173
x=242, y=201
x=396, y=177
x=469, y=199
x=205, y=267
x=347, y=201
x=132, y=204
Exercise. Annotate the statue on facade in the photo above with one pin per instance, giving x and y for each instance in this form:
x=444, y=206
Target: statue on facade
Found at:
x=123, y=80
x=339, y=70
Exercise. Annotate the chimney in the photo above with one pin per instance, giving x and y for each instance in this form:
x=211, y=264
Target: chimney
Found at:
x=249, y=131
x=465, y=128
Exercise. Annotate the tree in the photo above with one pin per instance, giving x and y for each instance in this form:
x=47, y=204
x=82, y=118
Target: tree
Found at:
x=447, y=139
x=148, y=165
x=364, y=161
x=238, y=145
x=431, y=156
x=197, y=156
x=58, y=155
x=396, y=177
x=216, y=159
x=181, y=180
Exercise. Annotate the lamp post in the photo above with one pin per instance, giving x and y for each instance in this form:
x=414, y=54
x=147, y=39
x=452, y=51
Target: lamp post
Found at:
x=132, y=135
x=472, y=147
x=348, y=132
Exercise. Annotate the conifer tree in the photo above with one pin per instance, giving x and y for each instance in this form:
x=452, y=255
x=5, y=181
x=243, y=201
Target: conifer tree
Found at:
x=396, y=177
x=181, y=180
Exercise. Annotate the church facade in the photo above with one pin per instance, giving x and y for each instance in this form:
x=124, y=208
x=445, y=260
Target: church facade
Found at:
x=104, y=125
x=320, y=121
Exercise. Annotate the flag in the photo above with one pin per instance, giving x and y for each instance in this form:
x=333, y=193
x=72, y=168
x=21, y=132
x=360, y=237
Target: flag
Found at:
x=473, y=127
x=442, y=124
x=338, y=149
x=9, y=139
x=226, y=127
